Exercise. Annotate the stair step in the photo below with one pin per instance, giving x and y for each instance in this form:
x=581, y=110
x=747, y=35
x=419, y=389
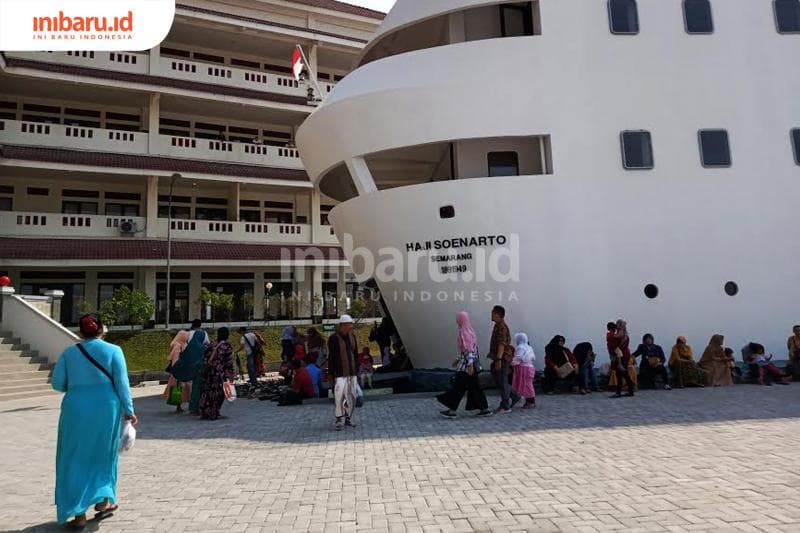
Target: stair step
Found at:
x=15, y=366
x=24, y=395
x=29, y=373
x=22, y=357
x=10, y=348
x=8, y=389
x=40, y=378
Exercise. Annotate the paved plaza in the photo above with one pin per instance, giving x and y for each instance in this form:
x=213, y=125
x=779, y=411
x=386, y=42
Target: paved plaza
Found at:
x=686, y=460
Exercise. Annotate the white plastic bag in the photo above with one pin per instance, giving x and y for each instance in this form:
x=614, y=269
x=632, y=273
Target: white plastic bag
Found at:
x=230, y=391
x=127, y=436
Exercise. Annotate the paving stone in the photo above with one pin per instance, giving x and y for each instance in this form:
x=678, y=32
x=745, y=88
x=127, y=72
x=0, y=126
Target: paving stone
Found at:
x=689, y=460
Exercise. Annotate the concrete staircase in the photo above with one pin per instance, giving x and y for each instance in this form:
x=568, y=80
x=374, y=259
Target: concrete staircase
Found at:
x=23, y=374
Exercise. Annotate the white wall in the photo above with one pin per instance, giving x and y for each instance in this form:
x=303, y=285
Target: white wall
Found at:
x=33, y=327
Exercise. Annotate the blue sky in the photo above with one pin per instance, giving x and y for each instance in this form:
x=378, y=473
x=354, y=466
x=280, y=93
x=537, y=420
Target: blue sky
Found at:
x=380, y=5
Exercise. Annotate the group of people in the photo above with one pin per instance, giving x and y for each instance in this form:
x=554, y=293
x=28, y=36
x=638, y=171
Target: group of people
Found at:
x=513, y=370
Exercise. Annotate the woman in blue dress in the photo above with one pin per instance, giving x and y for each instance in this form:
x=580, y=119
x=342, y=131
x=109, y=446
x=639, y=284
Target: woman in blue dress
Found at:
x=97, y=398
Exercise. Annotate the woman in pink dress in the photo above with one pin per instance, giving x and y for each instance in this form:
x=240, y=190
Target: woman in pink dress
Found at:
x=524, y=371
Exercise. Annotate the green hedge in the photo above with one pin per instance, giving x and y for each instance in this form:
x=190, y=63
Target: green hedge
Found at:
x=148, y=350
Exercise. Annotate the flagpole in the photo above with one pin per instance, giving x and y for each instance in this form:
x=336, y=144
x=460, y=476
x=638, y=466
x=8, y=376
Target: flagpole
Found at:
x=313, y=75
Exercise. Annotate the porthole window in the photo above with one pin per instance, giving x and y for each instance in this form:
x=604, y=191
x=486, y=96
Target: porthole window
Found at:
x=623, y=17
x=447, y=211
x=715, y=149
x=731, y=288
x=796, y=144
x=651, y=291
x=697, y=16
x=637, y=150
x=787, y=16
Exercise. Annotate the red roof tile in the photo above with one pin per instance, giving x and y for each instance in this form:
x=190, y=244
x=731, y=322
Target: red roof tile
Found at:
x=343, y=7
x=156, y=80
x=103, y=159
x=128, y=249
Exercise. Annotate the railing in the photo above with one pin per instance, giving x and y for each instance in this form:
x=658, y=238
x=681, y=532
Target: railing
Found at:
x=117, y=141
x=32, y=224
x=68, y=136
x=168, y=67
x=233, y=152
x=213, y=230
x=28, y=224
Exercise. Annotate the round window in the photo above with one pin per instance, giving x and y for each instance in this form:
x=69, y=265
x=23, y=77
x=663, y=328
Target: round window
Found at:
x=731, y=288
x=651, y=291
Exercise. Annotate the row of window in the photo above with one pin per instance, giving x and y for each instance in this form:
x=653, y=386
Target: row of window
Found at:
x=637, y=152
x=715, y=149
x=697, y=15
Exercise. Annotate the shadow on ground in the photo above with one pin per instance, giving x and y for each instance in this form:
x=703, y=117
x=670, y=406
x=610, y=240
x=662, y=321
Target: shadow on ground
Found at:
x=417, y=415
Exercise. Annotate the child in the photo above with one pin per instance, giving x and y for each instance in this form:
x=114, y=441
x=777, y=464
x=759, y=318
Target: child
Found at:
x=768, y=370
x=524, y=371
x=365, y=368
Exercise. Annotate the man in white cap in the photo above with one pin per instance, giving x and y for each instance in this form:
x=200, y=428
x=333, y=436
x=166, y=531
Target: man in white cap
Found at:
x=343, y=371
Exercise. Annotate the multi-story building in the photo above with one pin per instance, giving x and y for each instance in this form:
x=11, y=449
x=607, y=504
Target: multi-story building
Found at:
x=96, y=146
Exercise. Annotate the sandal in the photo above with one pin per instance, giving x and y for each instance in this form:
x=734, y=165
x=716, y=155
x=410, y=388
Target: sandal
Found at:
x=104, y=511
x=77, y=524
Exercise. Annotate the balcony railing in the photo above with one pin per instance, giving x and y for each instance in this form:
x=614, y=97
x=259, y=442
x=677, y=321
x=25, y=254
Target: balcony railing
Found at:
x=176, y=68
x=127, y=142
x=32, y=224
x=27, y=224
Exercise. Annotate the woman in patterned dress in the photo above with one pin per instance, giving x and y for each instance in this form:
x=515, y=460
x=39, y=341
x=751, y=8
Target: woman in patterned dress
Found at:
x=217, y=368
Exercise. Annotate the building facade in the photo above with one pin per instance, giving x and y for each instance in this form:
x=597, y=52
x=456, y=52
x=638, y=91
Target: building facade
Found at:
x=112, y=161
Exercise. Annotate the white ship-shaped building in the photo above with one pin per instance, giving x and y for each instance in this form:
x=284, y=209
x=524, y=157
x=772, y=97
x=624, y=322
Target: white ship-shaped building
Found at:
x=645, y=154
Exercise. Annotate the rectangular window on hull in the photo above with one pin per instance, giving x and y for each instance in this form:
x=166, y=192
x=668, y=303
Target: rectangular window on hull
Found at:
x=503, y=164
x=796, y=144
x=787, y=16
x=637, y=150
x=623, y=16
x=698, y=17
x=516, y=20
x=715, y=150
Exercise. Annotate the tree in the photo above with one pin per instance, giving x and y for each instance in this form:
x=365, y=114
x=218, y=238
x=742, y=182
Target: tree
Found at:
x=208, y=298
x=225, y=303
x=248, y=301
x=139, y=307
x=84, y=307
x=126, y=306
x=358, y=310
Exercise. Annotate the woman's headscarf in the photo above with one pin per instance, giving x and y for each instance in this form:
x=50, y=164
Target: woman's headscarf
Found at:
x=681, y=350
x=223, y=334
x=622, y=328
x=714, y=350
x=523, y=349
x=555, y=351
x=467, y=339
x=178, y=344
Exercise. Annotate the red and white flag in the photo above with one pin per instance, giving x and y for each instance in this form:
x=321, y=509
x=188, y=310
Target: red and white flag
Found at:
x=297, y=63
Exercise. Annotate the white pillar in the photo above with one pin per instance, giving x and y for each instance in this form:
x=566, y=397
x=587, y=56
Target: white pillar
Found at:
x=315, y=214
x=362, y=177
x=153, y=114
x=155, y=60
x=317, y=296
x=151, y=207
x=341, y=290
x=90, y=291
x=234, y=199
x=147, y=282
x=312, y=59
x=303, y=288
x=194, y=295
x=259, y=291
